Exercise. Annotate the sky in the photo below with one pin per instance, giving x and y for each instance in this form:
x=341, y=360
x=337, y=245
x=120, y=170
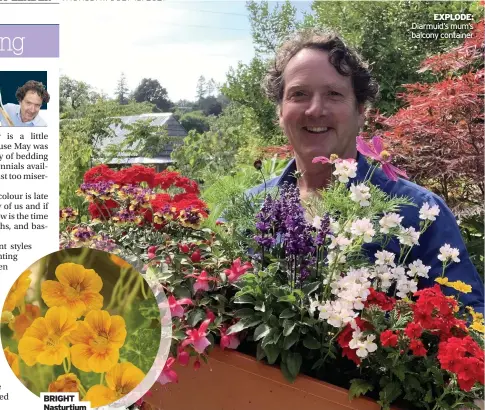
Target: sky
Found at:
x=174, y=42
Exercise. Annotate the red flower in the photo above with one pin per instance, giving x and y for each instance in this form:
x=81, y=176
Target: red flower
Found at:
x=184, y=248
x=417, y=347
x=152, y=251
x=135, y=175
x=388, y=338
x=413, y=330
x=100, y=173
x=195, y=257
x=168, y=375
x=102, y=211
x=346, y=336
x=165, y=179
x=228, y=341
x=380, y=299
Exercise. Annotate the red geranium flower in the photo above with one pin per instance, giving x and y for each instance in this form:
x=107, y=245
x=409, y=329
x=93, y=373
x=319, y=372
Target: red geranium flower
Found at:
x=388, y=338
x=100, y=173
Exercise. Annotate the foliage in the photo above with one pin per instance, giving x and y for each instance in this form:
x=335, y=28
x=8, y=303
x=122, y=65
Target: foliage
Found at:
x=243, y=86
x=151, y=91
x=439, y=134
x=195, y=120
x=142, y=139
x=387, y=43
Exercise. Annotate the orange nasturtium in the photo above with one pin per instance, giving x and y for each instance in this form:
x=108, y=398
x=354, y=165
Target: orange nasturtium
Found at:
x=21, y=323
x=17, y=292
x=119, y=261
x=78, y=289
x=97, y=341
x=121, y=380
x=12, y=360
x=65, y=383
x=46, y=340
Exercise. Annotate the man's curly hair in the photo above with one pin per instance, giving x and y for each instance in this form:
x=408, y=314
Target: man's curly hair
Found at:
x=35, y=86
x=345, y=60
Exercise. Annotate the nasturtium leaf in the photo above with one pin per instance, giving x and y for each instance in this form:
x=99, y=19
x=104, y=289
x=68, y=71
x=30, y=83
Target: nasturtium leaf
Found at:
x=149, y=309
x=142, y=348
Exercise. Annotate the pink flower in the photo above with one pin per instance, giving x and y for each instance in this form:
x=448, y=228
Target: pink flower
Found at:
x=152, y=251
x=376, y=151
x=168, y=375
x=197, y=337
x=202, y=282
x=210, y=315
x=332, y=160
x=237, y=270
x=183, y=357
x=140, y=401
x=228, y=341
x=176, y=309
x=197, y=364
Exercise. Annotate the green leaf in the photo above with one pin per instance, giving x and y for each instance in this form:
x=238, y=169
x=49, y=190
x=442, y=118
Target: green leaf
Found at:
x=245, y=299
x=141, y=348
x=287, y=314
x=293, y=362
x=288, y=327
x=311, y=343
x=286, y=372
x=259, y=306
x=242, y=324
x=290, y=340
x=272, y=337
x=262, y=330
x=389, y=393
x=260, y=353
x=309, y=288
x=287, y=298
x=272, y=353
x=359, y=387
x=244, y=313
x=399, y=371
x=195, y=316
x=182, y=292
x=149, y=309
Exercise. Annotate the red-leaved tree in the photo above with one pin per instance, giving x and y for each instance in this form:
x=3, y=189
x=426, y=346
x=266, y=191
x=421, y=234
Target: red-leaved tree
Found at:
x=438, y=137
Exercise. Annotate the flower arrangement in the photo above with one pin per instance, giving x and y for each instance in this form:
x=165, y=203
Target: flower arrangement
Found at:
x=312, y=298
x=72, y=339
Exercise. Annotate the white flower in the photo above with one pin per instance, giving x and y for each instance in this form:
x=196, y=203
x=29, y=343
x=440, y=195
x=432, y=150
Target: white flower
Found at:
x=317, y=222
x=360, y=193
x=447, y=253
x=353, y=288
x=408, y=236
x=418, y=268
x=334, y=225
x=385, y=258
x=345, y=170
x=363, y=227
x=385, y=276
x=332, y=257
x=362, y=346
x=341, y=241
x=404, y=286
x=429, y=213
x=314, y=305
x=389, y=221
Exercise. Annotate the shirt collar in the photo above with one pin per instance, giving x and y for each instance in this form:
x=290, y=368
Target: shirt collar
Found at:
x=19, y=117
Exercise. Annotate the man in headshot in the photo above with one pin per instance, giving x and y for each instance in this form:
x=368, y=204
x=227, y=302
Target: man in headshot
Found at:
x=30, y=96
x=321, y=88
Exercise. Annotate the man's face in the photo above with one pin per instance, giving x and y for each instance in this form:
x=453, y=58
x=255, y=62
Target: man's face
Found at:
x=30, y=106
x=319, y=112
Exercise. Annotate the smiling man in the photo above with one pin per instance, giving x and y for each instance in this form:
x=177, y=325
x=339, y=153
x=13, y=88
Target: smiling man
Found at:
x=321, y=88
x=30, y=96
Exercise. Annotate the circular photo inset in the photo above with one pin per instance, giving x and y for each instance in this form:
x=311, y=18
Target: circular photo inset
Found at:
x=83, y=320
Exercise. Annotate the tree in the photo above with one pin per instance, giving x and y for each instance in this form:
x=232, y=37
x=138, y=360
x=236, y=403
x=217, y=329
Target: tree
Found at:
x=72, y=93
x=122, y=90
x=211, y=87
x=387, y=42
x=150, y=90
x=195, y=120
x=439, y=133
x=201, y=88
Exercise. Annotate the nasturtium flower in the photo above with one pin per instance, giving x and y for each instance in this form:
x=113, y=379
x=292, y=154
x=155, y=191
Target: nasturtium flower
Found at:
x=21, y=323
x=96, y=342
x=17, y=292
x=78, y=289
x=65, y=383
x=46, y=340
x=121, y=379
x=12, y=360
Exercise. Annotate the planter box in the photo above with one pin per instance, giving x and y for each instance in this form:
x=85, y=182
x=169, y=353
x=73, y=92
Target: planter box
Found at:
x=234, y=381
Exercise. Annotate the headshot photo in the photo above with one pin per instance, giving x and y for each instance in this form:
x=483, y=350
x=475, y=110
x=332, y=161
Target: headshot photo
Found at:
x=23, y=98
